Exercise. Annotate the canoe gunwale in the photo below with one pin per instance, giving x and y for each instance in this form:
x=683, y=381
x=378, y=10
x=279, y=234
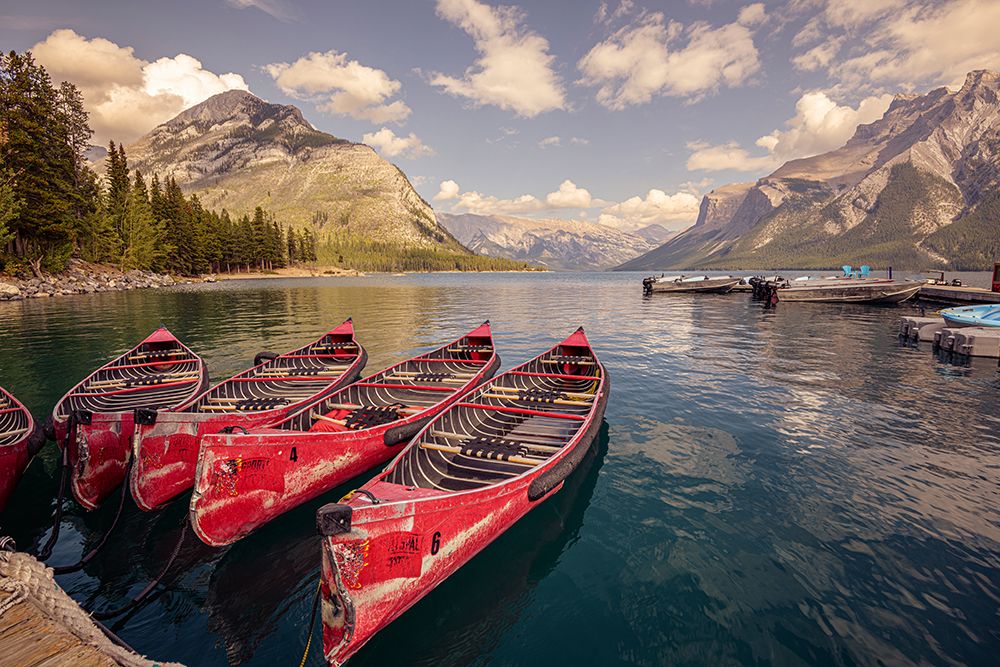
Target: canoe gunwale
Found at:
x=382, y=507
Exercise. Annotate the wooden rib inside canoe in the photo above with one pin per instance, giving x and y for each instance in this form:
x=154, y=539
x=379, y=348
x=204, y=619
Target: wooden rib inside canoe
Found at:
x=510, y=425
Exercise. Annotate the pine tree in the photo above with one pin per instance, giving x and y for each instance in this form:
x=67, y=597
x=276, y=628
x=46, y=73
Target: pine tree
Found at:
x=144, y=238
x=37, y=153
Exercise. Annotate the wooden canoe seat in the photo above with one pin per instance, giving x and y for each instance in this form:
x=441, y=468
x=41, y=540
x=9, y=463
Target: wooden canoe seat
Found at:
x=493, y=449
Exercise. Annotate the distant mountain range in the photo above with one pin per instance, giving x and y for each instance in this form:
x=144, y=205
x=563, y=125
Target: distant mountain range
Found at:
x=918, y=188
x=236, y=151
x=555, y=244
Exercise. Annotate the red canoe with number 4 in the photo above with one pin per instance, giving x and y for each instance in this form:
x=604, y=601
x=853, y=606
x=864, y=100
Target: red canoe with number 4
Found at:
x=19, y=441
x=166, y=443
x=467, y=477
x=97, y=414
x=244, y=481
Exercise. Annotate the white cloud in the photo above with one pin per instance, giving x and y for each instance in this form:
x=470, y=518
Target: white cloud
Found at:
x=818, y=57
x=341, y=86
x=480, y=204
x=752, y=15
x=569, y=196
x=447, y=191
x=646, y=59
x=579, y=141
x=605, y=14
x=390, y=145
x=276, y=8
x=910, y=44
x=656, y=207
x=550, y=142
x=125, y=95
x=514, y=70
x=819, y=125
x=730, y=155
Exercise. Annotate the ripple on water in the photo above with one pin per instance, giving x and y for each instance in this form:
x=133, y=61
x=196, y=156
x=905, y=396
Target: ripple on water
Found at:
x=786, y=486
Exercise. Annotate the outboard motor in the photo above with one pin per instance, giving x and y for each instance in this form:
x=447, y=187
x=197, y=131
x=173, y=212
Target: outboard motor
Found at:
x=647, y=285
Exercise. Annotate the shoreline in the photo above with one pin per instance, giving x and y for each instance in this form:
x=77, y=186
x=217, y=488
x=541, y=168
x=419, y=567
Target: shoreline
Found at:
x=87, y=278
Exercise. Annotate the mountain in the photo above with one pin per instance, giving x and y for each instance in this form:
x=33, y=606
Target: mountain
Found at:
x=556, y=244
x=918, y=188
x=236, y=151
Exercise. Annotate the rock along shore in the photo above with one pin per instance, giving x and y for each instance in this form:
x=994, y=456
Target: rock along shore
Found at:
x=80, y=278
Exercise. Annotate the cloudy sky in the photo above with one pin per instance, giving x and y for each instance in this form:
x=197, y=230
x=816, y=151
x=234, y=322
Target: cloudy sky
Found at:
x=621, y=111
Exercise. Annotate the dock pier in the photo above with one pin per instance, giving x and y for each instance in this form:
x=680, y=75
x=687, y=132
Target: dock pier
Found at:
x=42, y=626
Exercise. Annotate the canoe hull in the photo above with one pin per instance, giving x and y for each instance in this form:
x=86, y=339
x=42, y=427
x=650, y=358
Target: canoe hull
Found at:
x=166, y=452
x=166, y=448
x=100, y=445
x=18, y=443
x=243, y=481
x=395, y=552
x=98, y=455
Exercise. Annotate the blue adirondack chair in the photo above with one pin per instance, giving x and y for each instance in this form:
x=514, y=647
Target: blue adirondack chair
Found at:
x=865, y=270
x=848, y=270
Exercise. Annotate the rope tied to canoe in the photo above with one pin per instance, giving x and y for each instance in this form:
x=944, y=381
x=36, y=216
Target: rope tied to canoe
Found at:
x=46, y=550
x=137, y=600
x=372, y=415
x=79, y=565
x=312, y=622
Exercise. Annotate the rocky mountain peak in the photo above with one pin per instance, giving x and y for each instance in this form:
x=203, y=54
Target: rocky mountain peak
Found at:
x=237, y=151
x=923, y=180
x=240, y=106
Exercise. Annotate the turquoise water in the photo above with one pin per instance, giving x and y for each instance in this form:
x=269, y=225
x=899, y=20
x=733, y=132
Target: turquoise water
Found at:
x=772, y=487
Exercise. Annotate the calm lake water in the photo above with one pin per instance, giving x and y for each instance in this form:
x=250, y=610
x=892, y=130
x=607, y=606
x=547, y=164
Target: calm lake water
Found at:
x=773, y=487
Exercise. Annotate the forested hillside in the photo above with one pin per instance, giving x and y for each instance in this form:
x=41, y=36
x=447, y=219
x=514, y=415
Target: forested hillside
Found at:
x=54, y=206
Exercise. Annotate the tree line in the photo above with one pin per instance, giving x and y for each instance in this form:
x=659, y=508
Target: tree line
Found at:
x=53, y=206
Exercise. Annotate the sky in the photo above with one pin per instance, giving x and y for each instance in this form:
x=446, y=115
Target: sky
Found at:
x=620, y=112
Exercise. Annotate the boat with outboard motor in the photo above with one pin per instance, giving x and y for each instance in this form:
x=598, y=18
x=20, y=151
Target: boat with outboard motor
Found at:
x=245, y=479
x=987, y=315
x=167, y=441
x=94, y=421
x=714, y=284
x=465, y=479
x=839, y=290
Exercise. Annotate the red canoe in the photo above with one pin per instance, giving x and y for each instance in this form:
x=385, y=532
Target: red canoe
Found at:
x=160, y=372
x=166, y=443
x=19, y=440
x=465, y=479
x=244, y=481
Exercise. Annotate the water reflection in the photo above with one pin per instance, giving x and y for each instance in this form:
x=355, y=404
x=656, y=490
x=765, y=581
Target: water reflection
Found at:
x=787, y=486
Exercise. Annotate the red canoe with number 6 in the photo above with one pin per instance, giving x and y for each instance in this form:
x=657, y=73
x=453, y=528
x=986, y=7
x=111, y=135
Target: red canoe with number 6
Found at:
x=244, y=481
x=19, y=441
x=166, y=443
x=97, y=414
x=467, y=477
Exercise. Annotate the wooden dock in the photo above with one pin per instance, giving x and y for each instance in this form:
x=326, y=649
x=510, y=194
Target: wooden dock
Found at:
x=41, y=626
x=958, y=295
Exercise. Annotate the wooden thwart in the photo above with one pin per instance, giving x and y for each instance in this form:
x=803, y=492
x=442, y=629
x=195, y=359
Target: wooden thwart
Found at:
x=355, y=406
x=482, y=454
x=528, y=442
x=569, y=394
x=570, y=362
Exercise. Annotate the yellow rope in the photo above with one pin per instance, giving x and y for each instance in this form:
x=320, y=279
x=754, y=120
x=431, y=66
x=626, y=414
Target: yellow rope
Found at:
x=305, y=654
